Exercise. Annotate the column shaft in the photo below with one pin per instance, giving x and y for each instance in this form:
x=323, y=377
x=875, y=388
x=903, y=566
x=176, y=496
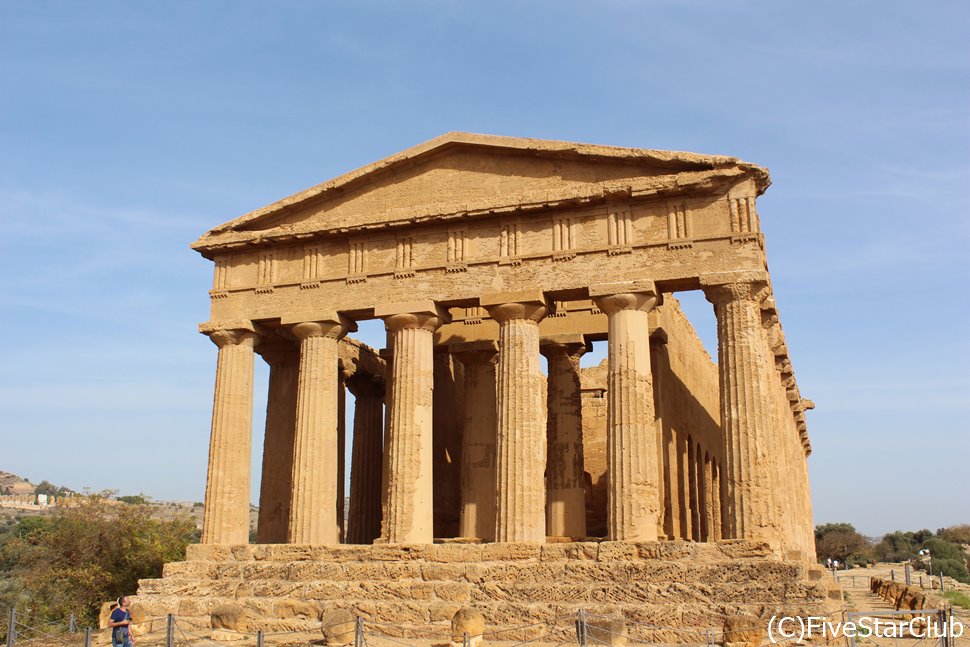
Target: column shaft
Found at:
x=408, y=513
x=520, y=514
x=634, y=507
x=227, y=485
x=365, y=464
x=716, y=531
x=478, y=446
x=686, y=527
x=341, y=458
x=277, y=473
x=313, y=511
x=707, y=498
x=745, y=413
x=565, y=485
x=695, y=511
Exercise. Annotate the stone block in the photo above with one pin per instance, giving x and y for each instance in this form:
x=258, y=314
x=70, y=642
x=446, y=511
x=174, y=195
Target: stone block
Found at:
x=315, y=571
x=385, y=590
x=105, y=612
x=452, y=591
x=744, y=631
x=338, y=627
x=744, y=548
x=232, y=617
x=331, y=590
x=459, y=553
x=282, y=552
x=467, y=621
x=564, y=551
x=507, y=552
x=443, y=572
x=297, y=609
x=207, y=552
x=607, y=631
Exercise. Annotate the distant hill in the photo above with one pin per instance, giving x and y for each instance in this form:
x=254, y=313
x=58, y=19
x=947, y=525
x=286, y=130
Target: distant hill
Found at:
x=13, y=484
x=10, y=483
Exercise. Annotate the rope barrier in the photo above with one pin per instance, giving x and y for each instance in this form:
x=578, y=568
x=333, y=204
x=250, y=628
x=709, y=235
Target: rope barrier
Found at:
x=553, y=629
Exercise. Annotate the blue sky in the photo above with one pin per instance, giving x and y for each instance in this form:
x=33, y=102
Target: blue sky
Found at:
x=127, y=129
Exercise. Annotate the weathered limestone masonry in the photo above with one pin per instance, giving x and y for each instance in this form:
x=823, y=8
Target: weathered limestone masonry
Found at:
x=480, y=254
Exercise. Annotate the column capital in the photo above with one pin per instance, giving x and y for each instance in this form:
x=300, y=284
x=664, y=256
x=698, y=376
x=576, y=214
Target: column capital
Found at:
x=365, y=385
x=475, y=352
x=276, y=350
x=559, y=345
x=230, y=333
x=626, y=295
x=327, y=324
x=507, y=306
x=727, y=287
x=426, y=315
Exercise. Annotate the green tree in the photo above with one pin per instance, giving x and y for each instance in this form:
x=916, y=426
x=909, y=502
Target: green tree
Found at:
x=90, y=552
x=955, y=534
x=897, y=546
x=135, y=499
x=841, y=541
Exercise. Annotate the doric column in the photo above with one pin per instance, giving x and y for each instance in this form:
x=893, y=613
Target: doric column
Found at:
x=478, y=440
x=686, y=506
x=565, y=486
x=227, y=485
x=520, y=445
x=660, y=367
x=365, y=462
x=408, y=514
x=341, y=455
x=634, y=510
x=313, y=506
x=275, y=485
x=716, y=500
x=704, y=485
x=743, y=360
x=695, y=504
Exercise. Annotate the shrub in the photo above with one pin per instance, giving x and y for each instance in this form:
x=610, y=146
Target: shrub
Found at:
x=85, y=554
x=955, y=534
x=841, y=541
x=134, y=499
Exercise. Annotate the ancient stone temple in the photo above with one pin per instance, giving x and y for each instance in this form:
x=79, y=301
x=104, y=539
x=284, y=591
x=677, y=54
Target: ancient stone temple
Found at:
x=482, y=255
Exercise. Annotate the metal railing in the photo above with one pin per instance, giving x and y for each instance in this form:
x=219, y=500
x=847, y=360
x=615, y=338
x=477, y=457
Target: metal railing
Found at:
x=581, y=628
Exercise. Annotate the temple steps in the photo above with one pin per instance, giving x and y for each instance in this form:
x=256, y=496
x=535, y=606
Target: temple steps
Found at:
x=667, y=584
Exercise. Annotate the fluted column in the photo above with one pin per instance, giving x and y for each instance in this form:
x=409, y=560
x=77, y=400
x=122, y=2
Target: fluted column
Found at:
x=227, y=485
x=565, y=486
x=634, y=508
x=313, y=507
x=716, y=532
x=707, y=500
x=275, y=485
x=365, y=462
x=745, y=411
x=408, y=502
x=478, y=440
x=695, y=509
x=520, y=445
x=341, y=455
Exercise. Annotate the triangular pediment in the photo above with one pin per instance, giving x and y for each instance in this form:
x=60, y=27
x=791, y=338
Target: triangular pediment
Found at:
x=460, y=173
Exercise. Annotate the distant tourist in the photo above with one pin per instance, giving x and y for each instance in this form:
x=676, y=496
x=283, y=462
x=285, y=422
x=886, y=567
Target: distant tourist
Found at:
x=828, y=563
x=120, y=621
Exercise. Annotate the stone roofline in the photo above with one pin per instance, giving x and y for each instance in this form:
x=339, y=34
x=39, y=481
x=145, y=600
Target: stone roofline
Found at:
x=688, y=172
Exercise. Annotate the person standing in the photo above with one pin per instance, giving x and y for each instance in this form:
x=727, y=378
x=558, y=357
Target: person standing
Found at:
x=120, y=624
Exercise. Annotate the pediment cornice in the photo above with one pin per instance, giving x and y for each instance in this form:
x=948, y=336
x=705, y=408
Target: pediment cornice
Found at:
x=452, y=178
